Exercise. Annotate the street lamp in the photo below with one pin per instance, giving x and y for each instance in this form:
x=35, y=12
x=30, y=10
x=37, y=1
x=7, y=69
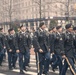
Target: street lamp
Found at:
x=67, y=12
x=40, y=10
x=67, y=16
x=40, y=5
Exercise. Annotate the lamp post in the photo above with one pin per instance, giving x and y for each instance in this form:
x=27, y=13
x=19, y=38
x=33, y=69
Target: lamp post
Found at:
x=67, y=12
x=67, y=16
x=40, y=10
x=10, y=13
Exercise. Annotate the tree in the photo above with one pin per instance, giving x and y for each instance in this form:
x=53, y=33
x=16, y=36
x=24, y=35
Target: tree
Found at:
x=8, y=10
x=39, y=2
x=53, y=23
x=65, y=7
x=16, y=24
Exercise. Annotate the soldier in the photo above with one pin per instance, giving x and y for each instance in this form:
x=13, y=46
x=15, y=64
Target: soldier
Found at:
x=28, y=51
x=11, y=44
x=2, y=45
x=74, y=35
x=69, y=49
x=4, y=56
x=58, y=48
x=51, y=40
x=42, y=48
x=23, y=45
x=51, y=44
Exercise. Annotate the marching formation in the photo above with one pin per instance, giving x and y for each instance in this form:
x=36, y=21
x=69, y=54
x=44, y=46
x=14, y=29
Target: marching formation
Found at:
x=55, y=47
x=59, y=43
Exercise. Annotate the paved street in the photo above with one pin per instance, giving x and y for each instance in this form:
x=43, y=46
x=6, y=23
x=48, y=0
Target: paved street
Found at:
x=31, y=71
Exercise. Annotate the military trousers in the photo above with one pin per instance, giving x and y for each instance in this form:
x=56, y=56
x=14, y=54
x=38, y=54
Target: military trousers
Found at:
x=65, y=66
x=12, y=58
x=44, y=61
x=23, y=60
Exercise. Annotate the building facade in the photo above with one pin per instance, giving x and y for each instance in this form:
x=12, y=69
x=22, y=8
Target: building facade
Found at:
x=12, y=10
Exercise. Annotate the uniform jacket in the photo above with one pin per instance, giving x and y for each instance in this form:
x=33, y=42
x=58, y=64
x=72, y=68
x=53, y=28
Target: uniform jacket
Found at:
x=2, y=41
x=23, y=40
x=41, y=40
x=11, y=43
x=69, y=44
x=58, y=43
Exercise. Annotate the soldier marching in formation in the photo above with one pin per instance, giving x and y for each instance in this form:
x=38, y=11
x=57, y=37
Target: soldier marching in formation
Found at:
x=23, y=42
x=41, y=44
x=53, y=47
x=2, y=45
x=11, y=45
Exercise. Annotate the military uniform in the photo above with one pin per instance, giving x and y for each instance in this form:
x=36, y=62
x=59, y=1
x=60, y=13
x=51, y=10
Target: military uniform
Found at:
x=51, y=41
x=23, y=45
x=41, y=42
x=74, y=36
x=58, y=49
x=2, y=45
x=53, y=59
x=11, y=45
x=4, y=55
x=68, y=50
x=28, y=51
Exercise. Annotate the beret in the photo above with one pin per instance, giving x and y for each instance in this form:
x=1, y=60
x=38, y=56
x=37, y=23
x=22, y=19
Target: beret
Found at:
x=1, y=29
x=21, y=26
x=51, y=28
x=68, y=26
x=74, y=28
x=10, y=29
x=58, y=27
x=41, y=24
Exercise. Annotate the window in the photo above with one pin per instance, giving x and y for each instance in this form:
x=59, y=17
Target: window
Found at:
x=56, y=13
x=34, y=8
x=61, y=6
x=36, y=15
x=43, y=0
x=26, y=3
x=46, y=6
x=55, y=6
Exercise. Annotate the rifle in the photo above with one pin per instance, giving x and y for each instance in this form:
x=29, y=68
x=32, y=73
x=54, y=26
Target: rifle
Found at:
x=38, y=69
x=70, y=66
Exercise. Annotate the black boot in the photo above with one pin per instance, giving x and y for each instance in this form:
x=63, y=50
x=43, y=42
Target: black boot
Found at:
x=10, y=68
x=21, y=72
x=29, y=66
x=14, y=66
x=25, y=69
x=53, y=69
x=38, y=74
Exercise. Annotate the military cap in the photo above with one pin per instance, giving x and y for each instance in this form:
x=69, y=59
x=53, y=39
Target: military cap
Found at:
x=58, y=27
x=74, y=28
x=53, y=28
x=50, y=29
x=10, y=29
x=1, y=29
x=21, y=26
x=68, y=26
x=41, y=24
